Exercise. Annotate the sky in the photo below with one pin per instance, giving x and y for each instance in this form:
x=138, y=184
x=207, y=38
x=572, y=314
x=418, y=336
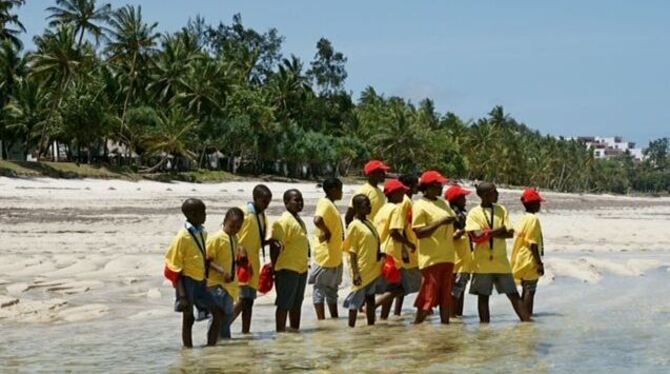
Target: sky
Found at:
x=569, y=67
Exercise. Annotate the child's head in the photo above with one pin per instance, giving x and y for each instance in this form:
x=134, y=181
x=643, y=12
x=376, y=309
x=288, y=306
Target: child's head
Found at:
x=456, y=196
x=395, y=191
x=232, y=222
x=412, y=182
x=531, y=200
x=262, y=196
x=293, y=201
x=333, y=188
x=375, y=171
x=431, y=183
x=195, y=211
x=361, y=204
x=488, y=192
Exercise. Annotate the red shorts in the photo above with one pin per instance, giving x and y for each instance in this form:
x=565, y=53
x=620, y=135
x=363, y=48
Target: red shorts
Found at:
x=436, y=284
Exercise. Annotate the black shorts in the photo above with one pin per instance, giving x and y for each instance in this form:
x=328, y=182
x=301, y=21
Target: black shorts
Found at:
x=290, y=289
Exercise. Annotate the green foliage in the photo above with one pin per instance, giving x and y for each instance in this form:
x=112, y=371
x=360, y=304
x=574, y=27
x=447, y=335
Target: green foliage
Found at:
x=174, y=102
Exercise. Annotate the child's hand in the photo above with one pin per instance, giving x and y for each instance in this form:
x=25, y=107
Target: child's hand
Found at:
x=242, y=252
x=357, y=279
x=412, y=247
x=182, y=304
x=325, y=237
x=227, y=277
x=540, y=269
x=405, y=256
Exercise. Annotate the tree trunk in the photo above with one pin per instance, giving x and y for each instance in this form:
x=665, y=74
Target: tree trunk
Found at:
x=157, y=166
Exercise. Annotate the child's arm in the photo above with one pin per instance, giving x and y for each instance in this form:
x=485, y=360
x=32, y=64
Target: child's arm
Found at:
x=535, y=250
x=321, y=224
x=226, y=276
x=354, y=269
x=459, y=233
x=428, y=230
x=182, y=301
x=349, y=216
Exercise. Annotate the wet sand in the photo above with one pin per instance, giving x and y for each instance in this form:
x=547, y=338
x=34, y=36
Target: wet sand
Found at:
x=81, y=289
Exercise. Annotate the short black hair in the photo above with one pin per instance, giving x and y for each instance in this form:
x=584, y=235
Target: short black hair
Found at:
x=234, y=213
x=409, y=180
x=331, y=184
x=357, y=200
x=288, y=193
x=484, y=187
x=190, y=205
x=261, y=191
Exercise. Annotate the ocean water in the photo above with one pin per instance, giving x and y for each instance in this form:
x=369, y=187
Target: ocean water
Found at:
x=621, y=324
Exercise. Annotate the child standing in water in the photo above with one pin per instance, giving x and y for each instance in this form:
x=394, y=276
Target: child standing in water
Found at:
x=528, y=250
x=411, y=275
x=187, y=268
x=364, y=248
x=488, y=226
x=253, y=238
x=223, y=252
x=290, y=257
x=455, y=195
x=375, y=172
x=432, y=221
x=326, y=275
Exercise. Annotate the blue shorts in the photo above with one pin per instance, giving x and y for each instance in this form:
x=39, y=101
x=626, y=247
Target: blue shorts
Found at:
x=248, y=292
x=356, y=299
x=225, y=302
x=197, y=294
x=460, y=282
x=290, y=286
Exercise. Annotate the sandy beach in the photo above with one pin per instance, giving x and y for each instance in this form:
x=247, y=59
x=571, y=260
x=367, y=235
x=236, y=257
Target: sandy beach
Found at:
x=81, y=288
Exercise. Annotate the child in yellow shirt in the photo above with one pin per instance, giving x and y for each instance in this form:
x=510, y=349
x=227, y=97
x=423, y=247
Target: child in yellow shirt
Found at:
x=488, y=225
x=364, y=248
x=290, y=256
x=326, y=274
x=253, y=238
x=223, y=253
x=375, y=172
x=456, y=196
x=186, y=267
x=528, y=250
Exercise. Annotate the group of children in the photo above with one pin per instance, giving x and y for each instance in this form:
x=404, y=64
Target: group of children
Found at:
x=395, y=246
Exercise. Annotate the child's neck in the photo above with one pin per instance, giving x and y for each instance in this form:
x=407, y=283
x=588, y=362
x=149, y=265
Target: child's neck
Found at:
x=361, y=217
x=330, y=198
x=227, y=230
x=294, y=214
x=486, y=204
x=372, y=183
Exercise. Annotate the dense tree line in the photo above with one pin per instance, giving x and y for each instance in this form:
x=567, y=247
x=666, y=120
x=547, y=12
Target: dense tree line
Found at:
x=103, y=76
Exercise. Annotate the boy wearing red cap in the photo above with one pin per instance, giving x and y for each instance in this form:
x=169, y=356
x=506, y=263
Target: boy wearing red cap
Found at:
x=528, y=250
x=326, y=273
x=375, y=171
x=391, y=223
x=223, y=252
x=455, y=195
x=488, y=225
x=432, y=222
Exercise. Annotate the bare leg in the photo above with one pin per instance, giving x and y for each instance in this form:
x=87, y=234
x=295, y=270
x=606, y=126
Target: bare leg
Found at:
x=528, y=300
x=453, y=307
x=398, y=304
x=445, y=307
x=215, y=327
x=483, y=307
x=247, y=309
x=294, y=317
x=461, y=303
x=280, y=320
x=353, y=313
x=519, y=307
x=332, y=308
x=370, y=309
x=320, y=311
x=187, y=327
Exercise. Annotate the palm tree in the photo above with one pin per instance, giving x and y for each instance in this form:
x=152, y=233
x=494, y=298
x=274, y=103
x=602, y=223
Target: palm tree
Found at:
x=8, y=19
x=27, y=112
x=12, y=70
x=170, y=138
x=83, y=15
x=55, y=65
x=132, y=43
x=173, y=64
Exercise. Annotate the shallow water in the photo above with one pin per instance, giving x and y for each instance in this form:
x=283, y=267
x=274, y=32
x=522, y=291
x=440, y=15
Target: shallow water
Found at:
x=621, y=324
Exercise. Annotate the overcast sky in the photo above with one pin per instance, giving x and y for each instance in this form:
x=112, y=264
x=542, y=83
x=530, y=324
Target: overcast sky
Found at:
x=597, y=67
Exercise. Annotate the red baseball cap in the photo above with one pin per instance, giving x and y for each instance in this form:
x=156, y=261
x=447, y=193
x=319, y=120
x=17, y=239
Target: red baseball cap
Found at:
x=374, y=165
x=454, y=192
x=531, y=195
x=432, y=176
x=394, y=185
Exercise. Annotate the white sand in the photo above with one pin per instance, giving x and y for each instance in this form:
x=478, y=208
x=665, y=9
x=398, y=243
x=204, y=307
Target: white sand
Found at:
x=75, y=250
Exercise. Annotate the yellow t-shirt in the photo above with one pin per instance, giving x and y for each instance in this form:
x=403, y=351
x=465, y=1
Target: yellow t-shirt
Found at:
x=528, y=232
x=363, y=240
x=409, y=233
x=463, y=262
x=376, y=196
x=250, y=238
x=183, y=255
x=221, y=250
x=478, y=220
x=390, y=218
x=329, y=254
x=293, y=236
x=439, y=247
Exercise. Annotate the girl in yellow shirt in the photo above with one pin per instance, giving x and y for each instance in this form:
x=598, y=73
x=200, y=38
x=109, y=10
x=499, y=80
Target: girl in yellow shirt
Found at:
x=527, y=265
x=364, y=248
